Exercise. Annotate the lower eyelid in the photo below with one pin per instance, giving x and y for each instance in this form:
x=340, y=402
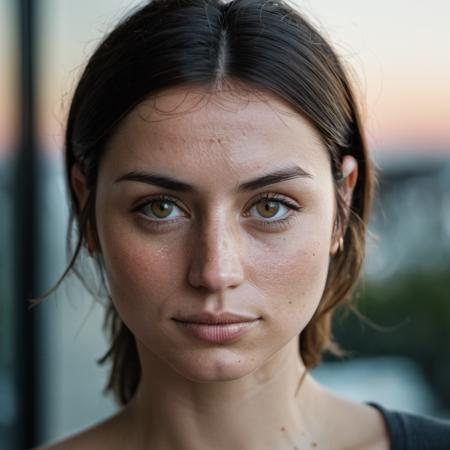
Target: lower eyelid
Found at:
x=156, y=225
x=278, y=224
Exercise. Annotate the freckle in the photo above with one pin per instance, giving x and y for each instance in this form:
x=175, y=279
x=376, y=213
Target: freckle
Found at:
x=313, y=444
x=314, y=254
x=283, y=429
x=290, y=303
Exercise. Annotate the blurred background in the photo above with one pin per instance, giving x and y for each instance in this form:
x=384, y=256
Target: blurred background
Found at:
x=397, y=51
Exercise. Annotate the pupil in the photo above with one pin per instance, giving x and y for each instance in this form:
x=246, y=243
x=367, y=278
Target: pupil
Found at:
x=269, y=207
x=163, y=208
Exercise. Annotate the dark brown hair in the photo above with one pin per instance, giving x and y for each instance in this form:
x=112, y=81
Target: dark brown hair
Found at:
x=265, y=45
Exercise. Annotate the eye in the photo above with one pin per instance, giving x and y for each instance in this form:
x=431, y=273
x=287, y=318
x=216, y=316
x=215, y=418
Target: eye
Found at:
x=268, y=209
x=274, y=207
x=160, y=207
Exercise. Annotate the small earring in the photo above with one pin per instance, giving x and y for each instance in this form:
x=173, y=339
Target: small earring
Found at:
x=341, y=244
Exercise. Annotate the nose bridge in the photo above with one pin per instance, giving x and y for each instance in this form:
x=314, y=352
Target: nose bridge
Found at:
x=216, y=260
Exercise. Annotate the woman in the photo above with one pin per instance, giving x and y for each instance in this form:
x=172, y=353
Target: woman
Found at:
x=219, y=177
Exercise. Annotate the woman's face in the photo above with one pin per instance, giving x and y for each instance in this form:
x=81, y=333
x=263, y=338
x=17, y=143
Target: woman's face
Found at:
x=244, y=226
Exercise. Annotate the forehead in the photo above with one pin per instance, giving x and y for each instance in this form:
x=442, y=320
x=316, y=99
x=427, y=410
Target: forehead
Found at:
x=187, y=128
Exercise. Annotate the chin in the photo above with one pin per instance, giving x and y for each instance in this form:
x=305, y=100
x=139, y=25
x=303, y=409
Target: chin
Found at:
x=214, y=365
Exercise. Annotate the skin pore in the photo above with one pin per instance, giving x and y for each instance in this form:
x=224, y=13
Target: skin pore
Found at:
x=221, y=244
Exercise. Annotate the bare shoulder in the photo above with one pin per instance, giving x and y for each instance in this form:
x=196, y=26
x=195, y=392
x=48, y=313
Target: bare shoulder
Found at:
x=105, y=435
x=355, y=426
x=373, y=433
x=366, y=429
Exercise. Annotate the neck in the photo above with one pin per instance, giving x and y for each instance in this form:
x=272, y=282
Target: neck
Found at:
x=265, y=409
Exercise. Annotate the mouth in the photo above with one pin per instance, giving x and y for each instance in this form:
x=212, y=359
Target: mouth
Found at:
x=222, y=318
x=217, y=328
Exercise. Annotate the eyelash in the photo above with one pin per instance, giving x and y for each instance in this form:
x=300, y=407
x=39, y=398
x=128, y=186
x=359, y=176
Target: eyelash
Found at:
x=267, y=224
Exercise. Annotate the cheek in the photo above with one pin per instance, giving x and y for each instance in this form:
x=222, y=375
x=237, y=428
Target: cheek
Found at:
x=142, y=272
x=296, y=273
x=292, y=272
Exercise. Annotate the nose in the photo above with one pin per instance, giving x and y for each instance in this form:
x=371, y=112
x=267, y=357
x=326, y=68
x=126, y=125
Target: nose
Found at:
x=216, y=258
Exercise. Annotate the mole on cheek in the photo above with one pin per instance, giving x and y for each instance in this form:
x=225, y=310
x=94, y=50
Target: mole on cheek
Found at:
x=313, y=444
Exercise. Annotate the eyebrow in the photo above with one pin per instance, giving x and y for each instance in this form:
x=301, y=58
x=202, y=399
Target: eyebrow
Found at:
x=277, y=176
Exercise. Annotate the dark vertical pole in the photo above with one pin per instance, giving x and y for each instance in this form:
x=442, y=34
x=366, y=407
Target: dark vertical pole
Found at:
x=25, y=203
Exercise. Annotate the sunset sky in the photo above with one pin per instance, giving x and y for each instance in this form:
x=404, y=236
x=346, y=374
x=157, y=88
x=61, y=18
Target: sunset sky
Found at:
x=398, y=50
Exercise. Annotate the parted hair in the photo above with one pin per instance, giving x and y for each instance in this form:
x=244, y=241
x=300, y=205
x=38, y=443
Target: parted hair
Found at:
x=264, y=45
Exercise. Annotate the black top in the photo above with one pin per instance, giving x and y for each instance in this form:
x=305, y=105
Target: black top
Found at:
x=413, y=432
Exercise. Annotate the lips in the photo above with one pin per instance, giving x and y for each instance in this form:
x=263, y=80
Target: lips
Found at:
x=216, y=318
x=218, y=328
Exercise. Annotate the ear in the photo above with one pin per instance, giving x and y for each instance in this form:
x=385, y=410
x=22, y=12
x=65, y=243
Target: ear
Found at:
x=78, y=182
x=350, y=177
